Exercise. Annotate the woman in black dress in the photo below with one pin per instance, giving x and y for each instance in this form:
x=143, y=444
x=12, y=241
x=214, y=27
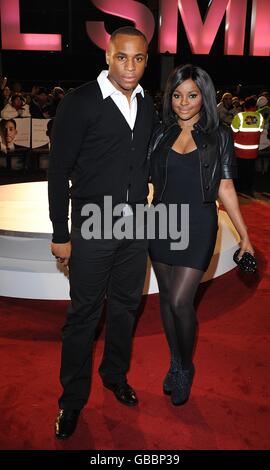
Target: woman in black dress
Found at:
x=192, y=162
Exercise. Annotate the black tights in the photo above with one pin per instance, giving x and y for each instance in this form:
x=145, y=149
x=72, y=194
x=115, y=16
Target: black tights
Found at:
x=177, y=289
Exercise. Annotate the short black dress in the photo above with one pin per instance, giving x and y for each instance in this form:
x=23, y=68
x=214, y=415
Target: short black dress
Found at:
x=184, y=187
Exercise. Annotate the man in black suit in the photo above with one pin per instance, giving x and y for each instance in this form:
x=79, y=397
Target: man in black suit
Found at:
x=100, y=138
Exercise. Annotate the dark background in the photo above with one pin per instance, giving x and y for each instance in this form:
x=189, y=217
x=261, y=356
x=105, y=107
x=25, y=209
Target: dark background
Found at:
x=81, y=60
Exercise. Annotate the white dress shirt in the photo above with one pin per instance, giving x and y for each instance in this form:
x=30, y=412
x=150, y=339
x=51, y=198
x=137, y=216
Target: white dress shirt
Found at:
x=129, y=110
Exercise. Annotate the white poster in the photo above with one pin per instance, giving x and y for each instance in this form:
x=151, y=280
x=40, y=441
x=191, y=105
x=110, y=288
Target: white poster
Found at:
x=40, y=138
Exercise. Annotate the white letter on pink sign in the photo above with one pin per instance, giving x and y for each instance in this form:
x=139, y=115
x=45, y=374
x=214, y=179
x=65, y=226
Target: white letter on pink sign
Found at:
x=201, y=35
x=13, y=39
x=260, y=28
x=128, y=9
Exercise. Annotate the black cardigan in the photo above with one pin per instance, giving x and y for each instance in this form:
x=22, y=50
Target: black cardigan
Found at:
x=93, y=145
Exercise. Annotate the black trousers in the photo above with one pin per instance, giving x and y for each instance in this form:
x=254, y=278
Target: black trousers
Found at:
x=246, y=172
x=115, y=268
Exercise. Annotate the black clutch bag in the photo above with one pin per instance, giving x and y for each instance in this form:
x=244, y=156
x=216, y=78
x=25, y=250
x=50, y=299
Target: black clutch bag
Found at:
x=247, y=263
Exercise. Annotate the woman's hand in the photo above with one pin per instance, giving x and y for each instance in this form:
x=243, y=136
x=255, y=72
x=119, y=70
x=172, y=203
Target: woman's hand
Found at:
x=229, y=199
x=245, y=245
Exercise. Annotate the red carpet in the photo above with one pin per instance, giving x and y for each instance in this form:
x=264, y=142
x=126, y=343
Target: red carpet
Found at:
x=229, y=407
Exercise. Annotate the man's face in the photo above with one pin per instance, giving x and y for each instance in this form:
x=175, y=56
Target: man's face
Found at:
x=42, y=98
x=127, y=59
x=227, y=101
x=236, y=103
x=10, y=131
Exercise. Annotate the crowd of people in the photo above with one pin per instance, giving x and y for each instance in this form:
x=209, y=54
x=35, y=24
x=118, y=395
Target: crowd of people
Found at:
x=252, y=111
x=39, y=103
x=16, y=140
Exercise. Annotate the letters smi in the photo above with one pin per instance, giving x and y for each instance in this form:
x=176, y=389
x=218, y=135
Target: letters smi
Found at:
x=200, y=33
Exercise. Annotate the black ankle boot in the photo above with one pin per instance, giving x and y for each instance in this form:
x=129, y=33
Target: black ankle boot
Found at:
x=169, y=379
x=182, y=385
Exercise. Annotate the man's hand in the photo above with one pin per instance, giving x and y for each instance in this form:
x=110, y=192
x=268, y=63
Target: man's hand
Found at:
x=62, y=252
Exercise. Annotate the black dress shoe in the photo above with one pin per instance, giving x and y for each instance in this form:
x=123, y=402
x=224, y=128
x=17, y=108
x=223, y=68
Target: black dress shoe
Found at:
x=124, y=393
x=66, y=423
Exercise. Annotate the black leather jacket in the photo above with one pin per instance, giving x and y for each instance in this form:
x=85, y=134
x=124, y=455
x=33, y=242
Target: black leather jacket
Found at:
x=216, y=153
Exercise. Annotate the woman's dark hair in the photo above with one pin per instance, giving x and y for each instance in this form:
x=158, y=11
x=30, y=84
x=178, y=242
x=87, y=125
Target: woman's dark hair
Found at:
x=209, y=119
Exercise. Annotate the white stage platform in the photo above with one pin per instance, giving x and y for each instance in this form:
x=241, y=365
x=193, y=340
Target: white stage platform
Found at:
x=27, y=268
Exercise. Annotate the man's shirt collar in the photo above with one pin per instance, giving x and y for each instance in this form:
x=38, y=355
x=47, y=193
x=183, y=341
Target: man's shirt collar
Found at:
x=108, y=89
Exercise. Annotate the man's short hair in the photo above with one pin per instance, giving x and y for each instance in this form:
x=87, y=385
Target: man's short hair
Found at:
x=42, y=90
x=129, y=31
x=250, y=102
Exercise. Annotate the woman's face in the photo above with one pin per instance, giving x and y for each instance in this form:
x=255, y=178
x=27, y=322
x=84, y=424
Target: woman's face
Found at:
x=17, y=102
x=6, y=92
x=187, y=101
